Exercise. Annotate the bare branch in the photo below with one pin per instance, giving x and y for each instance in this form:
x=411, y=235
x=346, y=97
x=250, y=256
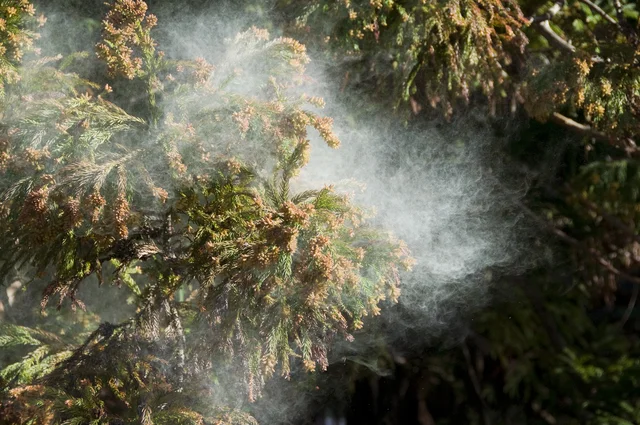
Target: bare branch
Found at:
x=600, y=12
x=619, y=12
x=541, y=23
x=626, y=144
x=554, y=39
x=582, y=129
x=553, y=10
x=628, y=30
x=631, y=306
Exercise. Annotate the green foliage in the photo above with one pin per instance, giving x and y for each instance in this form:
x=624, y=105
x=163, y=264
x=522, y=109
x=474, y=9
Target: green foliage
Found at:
x=176, y=181
x=16, y=26
x=437, y=51
x=193, y=197
x=577, y=58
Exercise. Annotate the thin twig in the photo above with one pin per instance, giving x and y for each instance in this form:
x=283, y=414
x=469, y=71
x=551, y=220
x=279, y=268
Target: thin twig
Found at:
x=618, y=6
x=593, y=253
x=631, y=306
x=554, y=39
x=541, y=23
x=553, y=10
x=627, y=29
x=600, y=12
x=475, y=382
x=607, y=217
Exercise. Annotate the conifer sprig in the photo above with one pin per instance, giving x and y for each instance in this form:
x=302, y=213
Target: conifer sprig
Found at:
x=195, y=199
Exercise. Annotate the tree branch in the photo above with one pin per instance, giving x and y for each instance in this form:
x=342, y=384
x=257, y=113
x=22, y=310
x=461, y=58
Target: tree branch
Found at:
x=553, y=10
x=619, y=12
x=475, y=383
x=628, y=145
x=600, y=12
x=541, y=24
x=609, y=218
x=627, y=29
x=592, y=252
x=631, y=306
x=582, y=129
x=554, y=39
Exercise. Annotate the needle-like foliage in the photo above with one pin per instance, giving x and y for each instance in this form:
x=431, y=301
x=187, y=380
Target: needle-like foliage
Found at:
x=188, y=202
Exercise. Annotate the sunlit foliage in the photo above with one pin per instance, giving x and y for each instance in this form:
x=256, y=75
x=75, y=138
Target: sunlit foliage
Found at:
x=192, y=208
